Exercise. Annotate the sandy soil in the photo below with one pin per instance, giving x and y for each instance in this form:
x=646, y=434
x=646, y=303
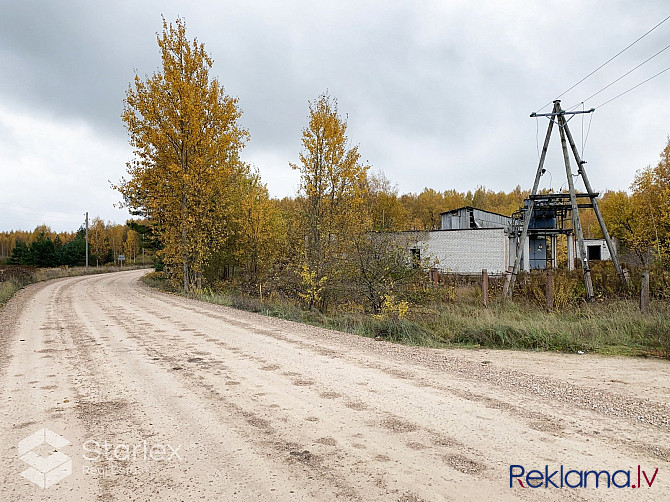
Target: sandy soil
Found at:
x=202, y=402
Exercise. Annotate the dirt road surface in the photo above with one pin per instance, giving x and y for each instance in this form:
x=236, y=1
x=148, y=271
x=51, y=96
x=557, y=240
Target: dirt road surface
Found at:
x=163, y=398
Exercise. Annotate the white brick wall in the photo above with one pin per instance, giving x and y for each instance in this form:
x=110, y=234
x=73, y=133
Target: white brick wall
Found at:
x=604, y=250
x=467, y=251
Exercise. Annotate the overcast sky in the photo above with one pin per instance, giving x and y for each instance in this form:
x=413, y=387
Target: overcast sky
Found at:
x=437, y=93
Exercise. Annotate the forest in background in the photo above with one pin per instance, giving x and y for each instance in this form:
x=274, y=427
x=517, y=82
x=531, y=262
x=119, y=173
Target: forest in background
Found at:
x=207, y=218
x=44, y=248
x=335, y=254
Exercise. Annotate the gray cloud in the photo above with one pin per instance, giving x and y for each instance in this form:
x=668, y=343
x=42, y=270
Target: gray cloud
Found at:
x=437, y=94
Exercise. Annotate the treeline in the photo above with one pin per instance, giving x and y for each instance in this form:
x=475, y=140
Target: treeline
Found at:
x=215, y=220
x=9, y=239
x=641, y=219
x=45, y=248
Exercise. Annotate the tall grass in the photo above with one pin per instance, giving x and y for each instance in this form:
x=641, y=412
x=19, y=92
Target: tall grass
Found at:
x=7, y=290
x=615, y=326
x=605, y=327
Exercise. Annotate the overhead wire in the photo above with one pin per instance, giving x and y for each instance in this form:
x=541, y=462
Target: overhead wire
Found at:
x=633, y=88
x=606, y=62
x=585, y=136
x=621, y=77
x=33, y=211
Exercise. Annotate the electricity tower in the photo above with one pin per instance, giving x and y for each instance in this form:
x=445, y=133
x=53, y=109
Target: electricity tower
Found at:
x=558, y=117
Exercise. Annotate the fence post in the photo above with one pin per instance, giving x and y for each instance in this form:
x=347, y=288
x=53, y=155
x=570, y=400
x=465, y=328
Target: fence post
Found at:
x=644, y=292
x=485, y=288
x=550, y=291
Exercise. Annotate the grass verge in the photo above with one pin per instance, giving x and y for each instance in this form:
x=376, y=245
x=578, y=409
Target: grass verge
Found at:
x=21, y=277
x=615, y=327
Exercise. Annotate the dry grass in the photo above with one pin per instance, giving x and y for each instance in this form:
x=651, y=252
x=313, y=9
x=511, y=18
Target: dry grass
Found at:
x=30, y=275
x=605, y=327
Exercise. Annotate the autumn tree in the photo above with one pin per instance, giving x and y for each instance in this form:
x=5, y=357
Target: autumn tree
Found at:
x=651, y=204
x=131, y=246
x=332, y=187
x=386, y=211
x=641, y=220
x=429, y=206
x=261, y=232
x=116, y=236
x=382, y=266
x=97, y=238
x=624, y=225
x=7, y=242
x=186, y=140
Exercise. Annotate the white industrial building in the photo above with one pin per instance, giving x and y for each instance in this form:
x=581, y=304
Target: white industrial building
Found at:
x=465, y=251
x=471, y=240
x=596, y=249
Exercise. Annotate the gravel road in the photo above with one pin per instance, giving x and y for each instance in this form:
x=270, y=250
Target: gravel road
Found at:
x=163, y=398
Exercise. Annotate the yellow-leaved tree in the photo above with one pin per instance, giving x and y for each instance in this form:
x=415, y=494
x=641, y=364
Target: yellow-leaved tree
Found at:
x=186, y=139
x=641, y=220
x=262, y=234
x=386, y=211
x=131, y=246
x=97, y=236
x=333, y=188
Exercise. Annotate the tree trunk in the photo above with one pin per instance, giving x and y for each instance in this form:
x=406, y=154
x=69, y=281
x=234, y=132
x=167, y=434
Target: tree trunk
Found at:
x=185, y=259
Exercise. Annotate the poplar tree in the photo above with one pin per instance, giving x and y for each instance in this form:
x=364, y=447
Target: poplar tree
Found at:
x=333, y=188
x=186, y=138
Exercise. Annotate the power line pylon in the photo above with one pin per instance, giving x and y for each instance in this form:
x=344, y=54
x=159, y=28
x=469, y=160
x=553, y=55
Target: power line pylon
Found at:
x=558, y=117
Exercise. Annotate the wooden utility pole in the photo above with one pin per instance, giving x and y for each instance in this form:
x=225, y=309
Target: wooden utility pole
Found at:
x=644, y=292
x=576, y=222
x=558, y=117
x=521, y=242
x=86, y=239
x=594, y=202
x=549, y=290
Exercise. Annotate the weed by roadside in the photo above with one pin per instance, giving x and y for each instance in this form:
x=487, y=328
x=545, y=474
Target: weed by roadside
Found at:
x=615, y=327
x=13, y=278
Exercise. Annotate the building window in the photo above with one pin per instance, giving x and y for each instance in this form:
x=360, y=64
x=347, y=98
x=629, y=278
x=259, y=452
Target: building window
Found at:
x=416, y=257
x=593, y=252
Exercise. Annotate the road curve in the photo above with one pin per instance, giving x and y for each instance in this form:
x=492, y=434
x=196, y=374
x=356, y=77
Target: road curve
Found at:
x=163, y=398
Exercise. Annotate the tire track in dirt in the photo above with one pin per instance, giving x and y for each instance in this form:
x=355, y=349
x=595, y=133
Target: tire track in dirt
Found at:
x=198, y=426
x=556, y=423
x=272, y=410
x=536, y=421
x=656, y=414
x=293, y=404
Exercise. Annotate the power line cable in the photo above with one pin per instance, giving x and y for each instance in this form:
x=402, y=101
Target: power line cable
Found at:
x=622, y=76
x=633, y=88
x=606, y=62
x=588, y=130
x=28, y=210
